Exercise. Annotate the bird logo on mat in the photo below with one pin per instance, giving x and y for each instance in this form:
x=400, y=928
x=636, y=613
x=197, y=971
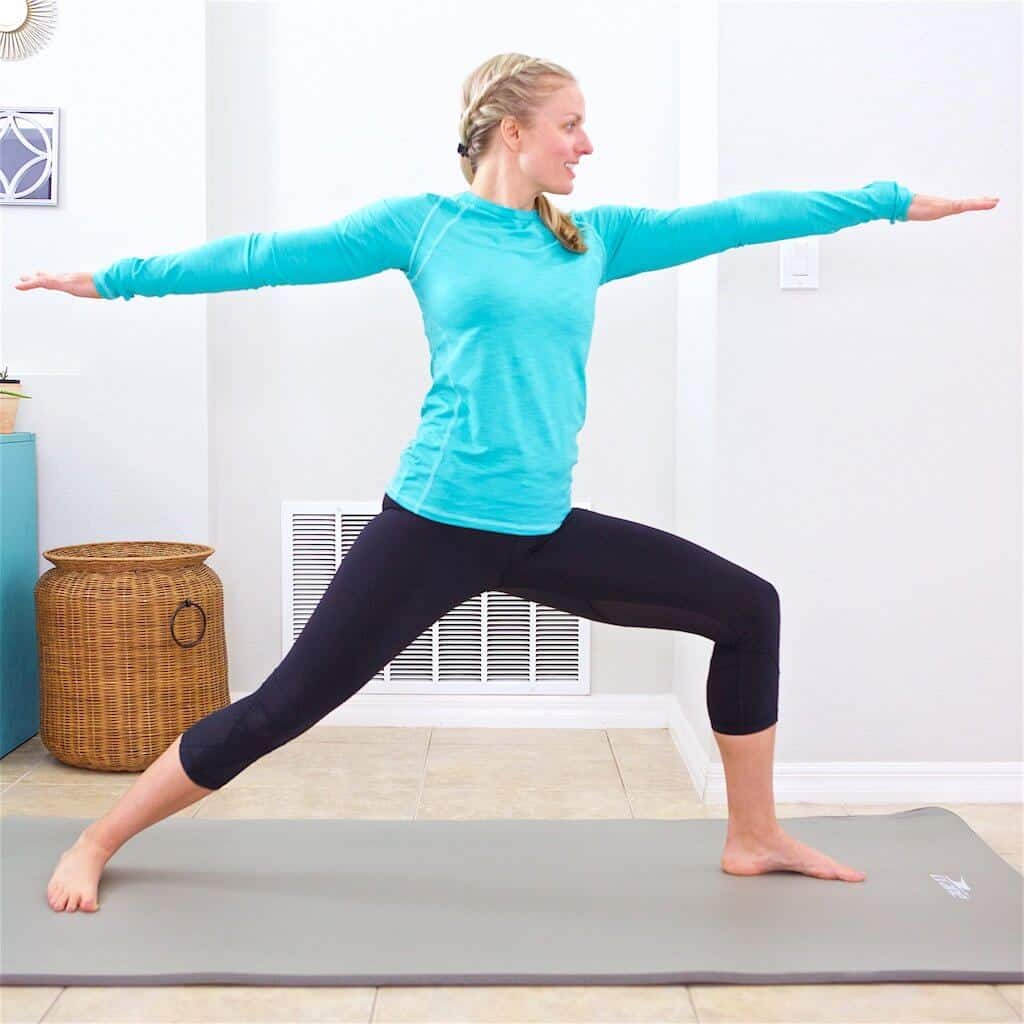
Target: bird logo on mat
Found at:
x=961, y=890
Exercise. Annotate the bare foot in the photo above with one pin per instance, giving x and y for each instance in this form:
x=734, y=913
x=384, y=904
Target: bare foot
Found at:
x=782, y=852
x=74, y=884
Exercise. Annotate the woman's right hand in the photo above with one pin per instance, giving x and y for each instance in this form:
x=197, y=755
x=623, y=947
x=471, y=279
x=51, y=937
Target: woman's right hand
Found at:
x=79, y=284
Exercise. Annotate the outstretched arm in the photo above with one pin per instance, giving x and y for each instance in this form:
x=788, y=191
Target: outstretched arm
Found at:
x=375, y=238
x=639, y=239
x=366, y=241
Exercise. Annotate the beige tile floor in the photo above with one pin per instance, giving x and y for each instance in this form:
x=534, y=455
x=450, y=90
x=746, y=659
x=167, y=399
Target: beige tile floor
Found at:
x=476, y=773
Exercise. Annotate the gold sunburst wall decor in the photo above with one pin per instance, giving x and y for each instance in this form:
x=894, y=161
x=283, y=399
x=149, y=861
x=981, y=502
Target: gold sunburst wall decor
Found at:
x=26, y=26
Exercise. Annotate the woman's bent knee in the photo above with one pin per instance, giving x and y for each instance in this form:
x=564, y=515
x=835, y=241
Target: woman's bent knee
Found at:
x=758, y=620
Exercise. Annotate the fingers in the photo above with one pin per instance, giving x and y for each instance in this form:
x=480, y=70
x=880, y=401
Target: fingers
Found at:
x=924, y=207
x=80, y=285
x=980, y=203
x=40, y=279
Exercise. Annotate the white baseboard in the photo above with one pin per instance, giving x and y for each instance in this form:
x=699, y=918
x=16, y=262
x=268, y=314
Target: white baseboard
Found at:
x=857, y=782
x=838, y=782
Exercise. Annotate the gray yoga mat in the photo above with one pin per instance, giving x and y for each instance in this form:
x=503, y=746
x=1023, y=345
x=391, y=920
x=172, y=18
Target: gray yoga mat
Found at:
x=506, y=902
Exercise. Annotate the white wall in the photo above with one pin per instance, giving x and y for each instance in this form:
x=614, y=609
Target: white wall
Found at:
x=824, y=440
x=867, y=434
x=118, y=389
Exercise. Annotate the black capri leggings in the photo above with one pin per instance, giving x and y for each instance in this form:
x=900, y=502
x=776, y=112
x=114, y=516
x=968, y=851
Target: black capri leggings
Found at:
x=404, y=572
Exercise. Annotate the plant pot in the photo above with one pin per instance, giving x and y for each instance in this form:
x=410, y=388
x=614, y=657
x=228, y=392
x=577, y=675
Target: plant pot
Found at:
x=8, y=406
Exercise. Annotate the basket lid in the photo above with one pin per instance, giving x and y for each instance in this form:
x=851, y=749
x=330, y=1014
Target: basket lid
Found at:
x=128, y=554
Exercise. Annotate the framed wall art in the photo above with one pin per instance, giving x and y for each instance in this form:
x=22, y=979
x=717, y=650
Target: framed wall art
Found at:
x=29, y=148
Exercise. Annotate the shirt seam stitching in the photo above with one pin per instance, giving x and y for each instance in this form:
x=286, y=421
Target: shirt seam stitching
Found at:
x=419, y=236
x=437, y=242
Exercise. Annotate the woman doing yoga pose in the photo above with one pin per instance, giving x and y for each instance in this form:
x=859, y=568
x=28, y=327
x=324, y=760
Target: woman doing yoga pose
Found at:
x=480, y=499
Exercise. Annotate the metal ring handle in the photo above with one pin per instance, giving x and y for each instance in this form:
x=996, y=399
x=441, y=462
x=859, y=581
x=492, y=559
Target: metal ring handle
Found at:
x=188, y=604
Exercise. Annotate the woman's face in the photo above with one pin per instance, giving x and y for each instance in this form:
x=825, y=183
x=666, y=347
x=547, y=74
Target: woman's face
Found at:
x=557, y=137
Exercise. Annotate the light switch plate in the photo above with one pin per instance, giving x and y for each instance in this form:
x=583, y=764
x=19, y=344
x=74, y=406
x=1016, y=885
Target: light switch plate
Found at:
x=798, y=263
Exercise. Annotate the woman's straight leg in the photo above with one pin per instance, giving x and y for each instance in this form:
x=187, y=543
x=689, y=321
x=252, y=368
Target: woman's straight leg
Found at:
x=402, y=574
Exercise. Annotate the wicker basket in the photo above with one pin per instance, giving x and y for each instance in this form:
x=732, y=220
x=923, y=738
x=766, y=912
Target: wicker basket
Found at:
x=131, y=650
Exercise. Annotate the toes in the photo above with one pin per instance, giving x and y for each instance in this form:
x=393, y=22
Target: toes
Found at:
x=848, y=874
x=826, y=870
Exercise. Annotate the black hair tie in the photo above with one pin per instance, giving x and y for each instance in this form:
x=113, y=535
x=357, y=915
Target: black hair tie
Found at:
x=463, y=150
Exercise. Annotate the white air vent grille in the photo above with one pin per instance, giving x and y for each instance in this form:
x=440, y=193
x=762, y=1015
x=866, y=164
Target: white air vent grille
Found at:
x=493, y=643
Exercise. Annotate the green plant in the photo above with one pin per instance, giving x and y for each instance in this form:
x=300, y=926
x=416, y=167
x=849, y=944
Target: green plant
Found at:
x=13, y=394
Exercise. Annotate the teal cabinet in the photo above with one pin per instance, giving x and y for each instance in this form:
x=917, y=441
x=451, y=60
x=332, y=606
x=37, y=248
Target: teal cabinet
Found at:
x=19, y=573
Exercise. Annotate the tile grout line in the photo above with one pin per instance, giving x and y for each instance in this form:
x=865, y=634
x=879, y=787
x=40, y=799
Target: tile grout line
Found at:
x=618, y=771
x=423, y=776
x=56, y=999
x=1004, y=996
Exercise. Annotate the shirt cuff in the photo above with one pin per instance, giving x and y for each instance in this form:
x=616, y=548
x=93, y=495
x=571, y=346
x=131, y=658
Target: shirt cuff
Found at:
x=100, y=283
x=902, y=199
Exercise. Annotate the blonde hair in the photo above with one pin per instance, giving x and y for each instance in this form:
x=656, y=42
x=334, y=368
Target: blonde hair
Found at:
x=512, y=85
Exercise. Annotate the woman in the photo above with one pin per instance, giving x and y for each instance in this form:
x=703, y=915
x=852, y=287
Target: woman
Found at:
x=481, y=496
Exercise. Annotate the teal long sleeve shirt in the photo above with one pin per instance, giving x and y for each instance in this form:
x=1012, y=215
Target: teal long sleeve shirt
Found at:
x=508, y=314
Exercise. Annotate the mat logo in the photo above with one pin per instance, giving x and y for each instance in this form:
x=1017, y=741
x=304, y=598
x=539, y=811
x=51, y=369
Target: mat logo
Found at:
x=961, y=890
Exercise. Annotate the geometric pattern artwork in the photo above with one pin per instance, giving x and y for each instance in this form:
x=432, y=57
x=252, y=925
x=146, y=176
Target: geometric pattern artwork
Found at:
x=29, y=148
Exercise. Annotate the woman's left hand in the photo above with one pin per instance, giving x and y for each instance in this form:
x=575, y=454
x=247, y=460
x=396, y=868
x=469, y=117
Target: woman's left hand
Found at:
x=933, y=207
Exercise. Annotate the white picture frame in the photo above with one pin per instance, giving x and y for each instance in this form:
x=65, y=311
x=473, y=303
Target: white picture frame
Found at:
x=29, y=155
